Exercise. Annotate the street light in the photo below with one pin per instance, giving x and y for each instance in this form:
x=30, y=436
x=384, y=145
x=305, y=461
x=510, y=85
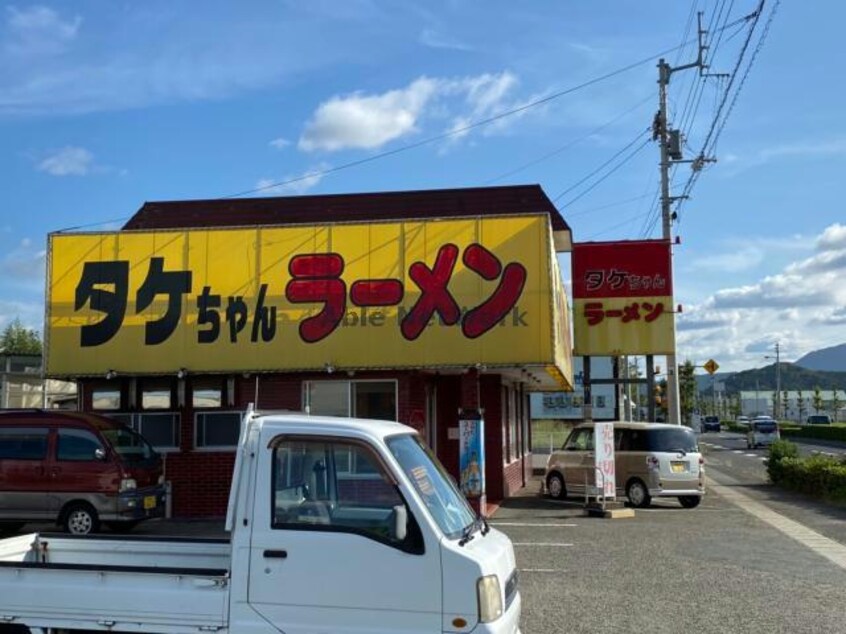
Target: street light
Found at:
x=777, y=400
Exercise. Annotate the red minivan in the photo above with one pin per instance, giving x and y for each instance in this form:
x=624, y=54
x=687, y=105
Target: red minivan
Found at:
x=79, y=470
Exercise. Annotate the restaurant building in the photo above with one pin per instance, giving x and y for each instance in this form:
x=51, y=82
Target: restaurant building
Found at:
x=420, y=306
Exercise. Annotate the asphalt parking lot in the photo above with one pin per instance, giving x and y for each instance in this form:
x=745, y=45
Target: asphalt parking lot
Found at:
x=715, y=568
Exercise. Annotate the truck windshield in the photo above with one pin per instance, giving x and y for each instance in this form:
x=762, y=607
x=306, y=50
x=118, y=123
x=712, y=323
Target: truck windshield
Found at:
x=129, y=445
x=445, y=502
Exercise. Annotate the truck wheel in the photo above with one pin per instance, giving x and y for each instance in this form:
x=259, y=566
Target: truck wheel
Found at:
x=638, y=494
x=555, y=486
x=80, y=519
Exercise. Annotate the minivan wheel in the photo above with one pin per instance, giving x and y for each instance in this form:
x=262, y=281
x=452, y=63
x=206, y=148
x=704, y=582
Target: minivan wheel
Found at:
x=555, y=486
x=638, y=494
x=689, y=501
x=81, y=519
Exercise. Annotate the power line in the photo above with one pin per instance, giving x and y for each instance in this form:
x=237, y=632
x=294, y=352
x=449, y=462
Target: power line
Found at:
x=617, y=203
x=569, y=144
x=463, y=129
x=602, y=165
x=616, y=226
x=92, y=224
x=718, y=123
x=605, y=176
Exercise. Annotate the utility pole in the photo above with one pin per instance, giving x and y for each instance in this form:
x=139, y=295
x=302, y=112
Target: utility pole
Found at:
x=670, y=144
x=777, y=399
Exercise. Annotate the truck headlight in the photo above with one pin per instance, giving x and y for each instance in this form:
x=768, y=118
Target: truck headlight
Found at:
x=490, y=598
x=128, y=484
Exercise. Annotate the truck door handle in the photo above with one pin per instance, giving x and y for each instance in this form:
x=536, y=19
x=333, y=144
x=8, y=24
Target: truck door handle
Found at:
x=277, y=554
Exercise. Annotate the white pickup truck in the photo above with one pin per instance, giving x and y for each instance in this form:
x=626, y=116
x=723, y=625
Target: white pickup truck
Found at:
x=336, y=525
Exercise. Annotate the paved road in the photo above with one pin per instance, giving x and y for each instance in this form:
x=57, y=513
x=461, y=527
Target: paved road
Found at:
x=728, y=462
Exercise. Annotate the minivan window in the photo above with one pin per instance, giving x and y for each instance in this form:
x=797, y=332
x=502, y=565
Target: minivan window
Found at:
x=580, y=440
x=765, y=427
x=671, y=440
x=129, y=445
x=77, y=445
x=23, y=443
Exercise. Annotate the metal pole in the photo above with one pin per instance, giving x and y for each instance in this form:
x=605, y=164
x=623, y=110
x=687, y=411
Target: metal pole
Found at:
x=778, y=384
x=664, y=70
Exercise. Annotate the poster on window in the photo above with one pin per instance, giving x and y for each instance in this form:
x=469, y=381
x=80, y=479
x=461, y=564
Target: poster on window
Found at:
x=471, y=438
x=606, y=472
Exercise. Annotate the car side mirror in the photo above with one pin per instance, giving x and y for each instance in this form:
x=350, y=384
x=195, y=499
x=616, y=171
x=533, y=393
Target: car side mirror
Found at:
x=99, y=454
x=400, y=522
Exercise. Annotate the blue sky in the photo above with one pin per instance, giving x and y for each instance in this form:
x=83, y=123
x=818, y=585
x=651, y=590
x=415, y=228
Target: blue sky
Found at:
x=104, y=105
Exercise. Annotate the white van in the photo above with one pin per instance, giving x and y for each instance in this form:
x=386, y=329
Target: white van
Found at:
x=762, y=433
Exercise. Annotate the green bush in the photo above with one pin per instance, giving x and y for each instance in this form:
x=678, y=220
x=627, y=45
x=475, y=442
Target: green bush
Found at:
x=817, y=432
x=818, y=476
x=779, y=451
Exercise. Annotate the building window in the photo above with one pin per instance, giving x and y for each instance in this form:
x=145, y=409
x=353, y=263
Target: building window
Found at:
x=156, y=398
x=217, y=430
x=206, y=396
x=105, y=399
x=359, y=399
x=160, y=429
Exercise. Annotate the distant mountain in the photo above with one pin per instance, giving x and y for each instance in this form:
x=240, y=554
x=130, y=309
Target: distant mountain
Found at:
x=793, y=377
x=827, y=360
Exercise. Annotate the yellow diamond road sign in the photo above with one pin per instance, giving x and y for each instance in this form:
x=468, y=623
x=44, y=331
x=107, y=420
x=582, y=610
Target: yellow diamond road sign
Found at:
x=711, y=366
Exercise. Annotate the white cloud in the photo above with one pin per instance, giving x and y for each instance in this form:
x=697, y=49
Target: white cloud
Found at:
x=435, y=39
x=367, y=121
x=31, y=314
x=38, y=31
x=803, y=307
x=293, y=183
x=25, y=264
x=370, y=121
x=821, y=148
x=280, y=143
x=741, y=260
x=68, y=161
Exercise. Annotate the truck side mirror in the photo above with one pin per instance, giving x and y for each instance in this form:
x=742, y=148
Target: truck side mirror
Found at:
x=99, y=454
x=400, y=522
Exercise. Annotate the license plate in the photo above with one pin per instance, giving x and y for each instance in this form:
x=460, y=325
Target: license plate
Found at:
x=678, y=466
x=149, y=502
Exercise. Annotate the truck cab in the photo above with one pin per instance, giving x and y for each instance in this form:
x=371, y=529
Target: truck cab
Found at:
x=337, y=525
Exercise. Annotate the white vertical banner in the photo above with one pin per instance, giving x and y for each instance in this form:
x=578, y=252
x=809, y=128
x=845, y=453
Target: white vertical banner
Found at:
x=603, y=442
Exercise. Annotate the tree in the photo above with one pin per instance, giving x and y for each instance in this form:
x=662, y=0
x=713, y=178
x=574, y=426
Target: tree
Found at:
x=687, y=390
x=800, y=403
x=817, y=400
x=785, y=404
x=836, y=403
x=736, y=406
x=775, y=403
x=17, y=339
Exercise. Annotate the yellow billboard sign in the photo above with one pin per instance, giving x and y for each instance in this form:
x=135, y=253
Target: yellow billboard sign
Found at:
x=434, y=293
x=623, y=298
